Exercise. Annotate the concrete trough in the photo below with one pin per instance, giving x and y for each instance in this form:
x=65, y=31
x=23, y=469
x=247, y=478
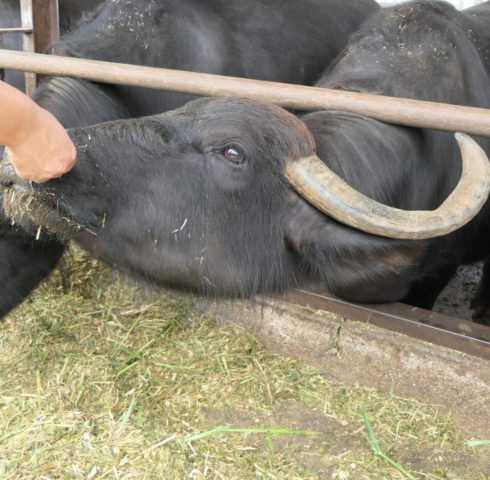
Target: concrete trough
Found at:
x=361, y=353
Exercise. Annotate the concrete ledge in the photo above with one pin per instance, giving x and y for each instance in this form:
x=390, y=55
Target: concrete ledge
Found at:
x=359, y=353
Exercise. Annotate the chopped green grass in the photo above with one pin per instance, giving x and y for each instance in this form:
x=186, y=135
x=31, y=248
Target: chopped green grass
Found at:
x=478, y=443
x=270, y=432
x=101, y=379
x=377, y=450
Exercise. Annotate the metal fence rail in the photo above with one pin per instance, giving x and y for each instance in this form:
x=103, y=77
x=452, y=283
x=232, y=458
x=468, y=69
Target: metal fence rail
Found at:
x=408, y=112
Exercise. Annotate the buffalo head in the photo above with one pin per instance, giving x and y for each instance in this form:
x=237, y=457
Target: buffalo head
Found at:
x=200, y=198
x=191, y=198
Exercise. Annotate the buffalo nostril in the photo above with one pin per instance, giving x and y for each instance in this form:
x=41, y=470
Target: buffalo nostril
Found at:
x=6, y=183
x=8, y=175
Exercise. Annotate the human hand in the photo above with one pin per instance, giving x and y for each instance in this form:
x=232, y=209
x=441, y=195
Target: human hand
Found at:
x=42, y=150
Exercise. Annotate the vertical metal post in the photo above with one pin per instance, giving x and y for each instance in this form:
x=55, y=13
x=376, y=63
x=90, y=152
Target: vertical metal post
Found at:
x=39, y=29
x=2, y=71
x=28, y=40
x=45, y=24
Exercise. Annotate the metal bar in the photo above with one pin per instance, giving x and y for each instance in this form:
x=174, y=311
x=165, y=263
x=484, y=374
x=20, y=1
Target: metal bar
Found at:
x=5, y=30
x=415, y=113
x=437, y=320
x=2, y=71
x=46, y=24
x=28, y=40
x=432, y=327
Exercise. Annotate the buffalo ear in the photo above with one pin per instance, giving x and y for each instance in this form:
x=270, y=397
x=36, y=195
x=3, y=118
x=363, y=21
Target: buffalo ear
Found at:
x=306, y=229
x=308, y=232
x=349, y=263
x=304, y=225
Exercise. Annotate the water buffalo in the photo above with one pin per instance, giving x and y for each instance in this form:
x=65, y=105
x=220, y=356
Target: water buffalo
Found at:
x=284, y=40
x=200, y=198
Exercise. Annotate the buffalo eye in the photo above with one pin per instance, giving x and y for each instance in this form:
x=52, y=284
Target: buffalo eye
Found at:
x=233, y=155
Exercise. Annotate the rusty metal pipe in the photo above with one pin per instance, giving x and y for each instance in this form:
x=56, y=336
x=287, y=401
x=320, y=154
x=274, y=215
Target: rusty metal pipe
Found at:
x=414, y=113
x=45, y=24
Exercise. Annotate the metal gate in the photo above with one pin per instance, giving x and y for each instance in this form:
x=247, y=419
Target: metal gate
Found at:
x=39, y=27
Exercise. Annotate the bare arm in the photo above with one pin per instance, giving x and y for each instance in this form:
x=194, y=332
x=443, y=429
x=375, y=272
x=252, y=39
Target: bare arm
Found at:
x=37, y=144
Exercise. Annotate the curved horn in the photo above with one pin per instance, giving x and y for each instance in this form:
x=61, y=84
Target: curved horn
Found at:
x=314, y=181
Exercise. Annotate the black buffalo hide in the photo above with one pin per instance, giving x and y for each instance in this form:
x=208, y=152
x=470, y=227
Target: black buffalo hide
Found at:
x=284, y=40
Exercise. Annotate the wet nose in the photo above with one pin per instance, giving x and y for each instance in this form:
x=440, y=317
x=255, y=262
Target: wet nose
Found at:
x=8, y=176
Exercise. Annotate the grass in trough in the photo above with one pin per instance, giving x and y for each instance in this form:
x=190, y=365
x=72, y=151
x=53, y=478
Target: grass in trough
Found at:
x=101, y=379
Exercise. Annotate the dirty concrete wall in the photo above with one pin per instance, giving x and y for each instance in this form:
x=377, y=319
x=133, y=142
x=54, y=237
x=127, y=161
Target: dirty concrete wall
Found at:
x=457, y=3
